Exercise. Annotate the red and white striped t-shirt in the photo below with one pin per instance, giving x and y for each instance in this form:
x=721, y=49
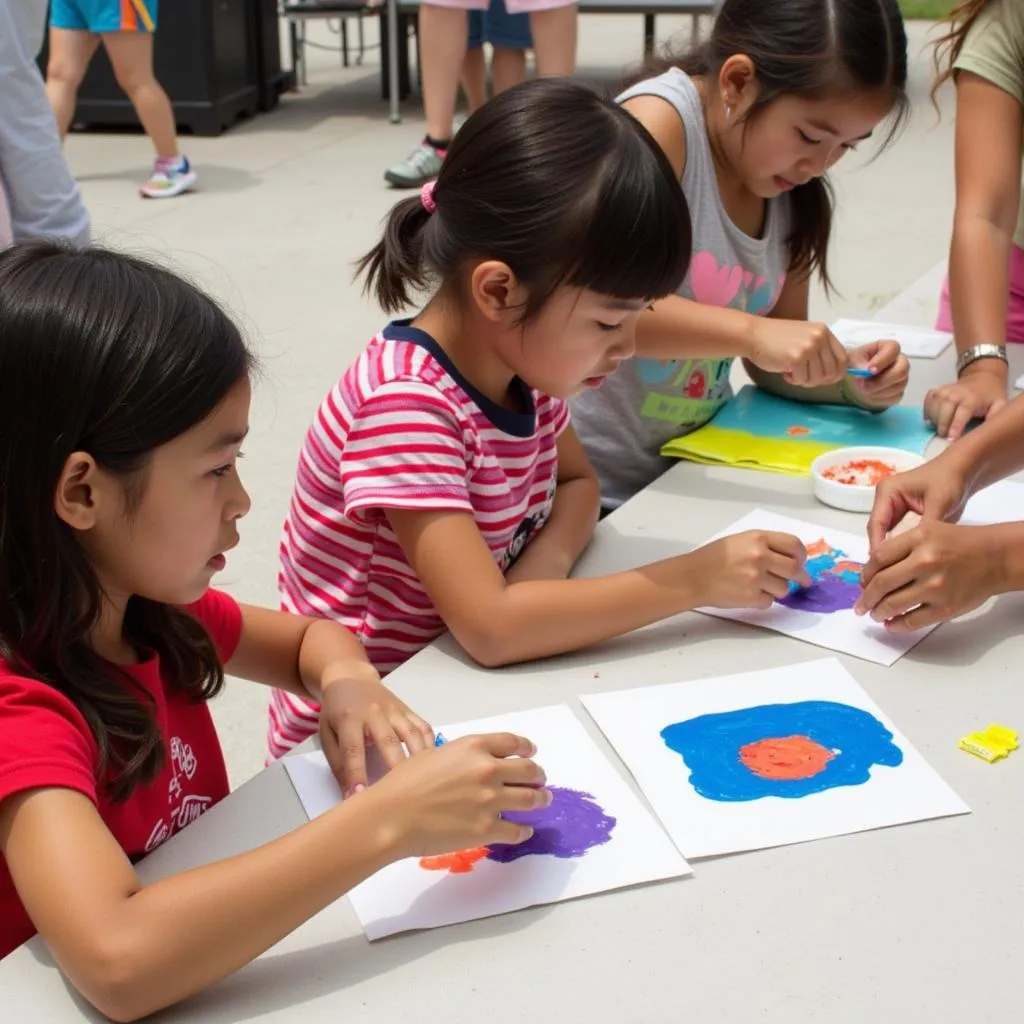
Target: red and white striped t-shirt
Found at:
x=403, y=429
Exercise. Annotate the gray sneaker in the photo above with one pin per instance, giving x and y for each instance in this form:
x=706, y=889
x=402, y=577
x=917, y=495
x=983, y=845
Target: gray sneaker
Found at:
x=423, y=164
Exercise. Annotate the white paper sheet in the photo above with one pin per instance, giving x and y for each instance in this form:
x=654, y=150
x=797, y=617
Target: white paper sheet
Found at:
x=838, y=630
x=1002, y=502
x=860, y=787
x=407, y=895
x=918, y=342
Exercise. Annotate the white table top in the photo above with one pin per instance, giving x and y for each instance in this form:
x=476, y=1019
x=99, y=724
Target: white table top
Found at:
x=911, y=924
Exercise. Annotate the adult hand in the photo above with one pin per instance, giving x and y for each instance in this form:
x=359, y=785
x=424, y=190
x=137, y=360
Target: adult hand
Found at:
x=930, y=574
x=937, y=490
x=978, y=395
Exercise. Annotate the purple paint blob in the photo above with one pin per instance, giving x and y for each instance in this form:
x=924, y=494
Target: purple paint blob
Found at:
x=568, y=827
x=827, y=594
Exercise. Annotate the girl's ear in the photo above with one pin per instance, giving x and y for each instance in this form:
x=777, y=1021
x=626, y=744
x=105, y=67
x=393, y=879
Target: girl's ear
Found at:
x=75, y=498
x=737, y=81
x=495, y=290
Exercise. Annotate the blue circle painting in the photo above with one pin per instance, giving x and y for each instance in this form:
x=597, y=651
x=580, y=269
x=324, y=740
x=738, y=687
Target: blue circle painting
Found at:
x=783, y=750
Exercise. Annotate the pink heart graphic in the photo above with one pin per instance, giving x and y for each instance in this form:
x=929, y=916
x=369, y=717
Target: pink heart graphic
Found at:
x=711, y=284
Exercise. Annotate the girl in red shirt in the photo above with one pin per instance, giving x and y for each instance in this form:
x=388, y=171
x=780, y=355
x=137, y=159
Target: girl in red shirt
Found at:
x=124, y=398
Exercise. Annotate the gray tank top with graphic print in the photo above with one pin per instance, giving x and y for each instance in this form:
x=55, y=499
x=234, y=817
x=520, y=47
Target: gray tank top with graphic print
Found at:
x=648, y=402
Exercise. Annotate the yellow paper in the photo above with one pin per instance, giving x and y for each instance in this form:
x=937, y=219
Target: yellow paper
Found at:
x=714, y=446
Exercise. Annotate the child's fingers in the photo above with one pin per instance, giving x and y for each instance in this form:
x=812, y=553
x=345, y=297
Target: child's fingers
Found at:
x=412, y=731
x=506, y=744
x=786, y=568
x=377, y=726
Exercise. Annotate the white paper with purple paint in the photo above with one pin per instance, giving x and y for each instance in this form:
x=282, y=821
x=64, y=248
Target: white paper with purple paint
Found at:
x=822, y=614
x=596, y=836
x=761, y=759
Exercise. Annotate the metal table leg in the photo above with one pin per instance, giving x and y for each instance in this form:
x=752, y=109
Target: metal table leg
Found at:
x=396, y=114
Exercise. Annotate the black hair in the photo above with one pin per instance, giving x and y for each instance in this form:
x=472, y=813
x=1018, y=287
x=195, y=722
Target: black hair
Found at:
x=565, y=187
x=113, y=356
x=811, y=48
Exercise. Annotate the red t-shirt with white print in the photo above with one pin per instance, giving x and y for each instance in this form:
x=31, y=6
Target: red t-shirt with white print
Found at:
x=45, y=742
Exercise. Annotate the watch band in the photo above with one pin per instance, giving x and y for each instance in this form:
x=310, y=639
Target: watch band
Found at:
x=976, y=352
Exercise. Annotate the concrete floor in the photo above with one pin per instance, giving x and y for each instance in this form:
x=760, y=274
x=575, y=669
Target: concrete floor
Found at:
x=289, y=200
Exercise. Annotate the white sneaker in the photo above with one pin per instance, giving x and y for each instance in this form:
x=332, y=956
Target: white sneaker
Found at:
x=169, y=178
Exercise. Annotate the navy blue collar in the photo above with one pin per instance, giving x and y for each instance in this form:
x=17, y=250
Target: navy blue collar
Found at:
x=518, y=424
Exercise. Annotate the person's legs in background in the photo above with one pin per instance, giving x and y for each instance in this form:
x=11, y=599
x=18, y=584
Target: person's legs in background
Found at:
x=444, y=31
x=129, y=45
x=131, y=56
x=509, y=35
x=474, y=67
x=71, y=50
x=43, y=198
x=554, y=34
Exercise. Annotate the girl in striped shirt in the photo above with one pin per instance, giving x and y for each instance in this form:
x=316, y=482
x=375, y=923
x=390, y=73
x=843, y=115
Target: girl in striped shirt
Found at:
x=440, y=485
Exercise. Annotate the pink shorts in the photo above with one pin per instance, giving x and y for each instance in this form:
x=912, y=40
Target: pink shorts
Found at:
x=1014, y=304
x=512, y=6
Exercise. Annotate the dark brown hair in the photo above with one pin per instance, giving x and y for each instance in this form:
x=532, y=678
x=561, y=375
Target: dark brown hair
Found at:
x=110, y=355
x=811, y=48
x=565, y=187
x=948, y=47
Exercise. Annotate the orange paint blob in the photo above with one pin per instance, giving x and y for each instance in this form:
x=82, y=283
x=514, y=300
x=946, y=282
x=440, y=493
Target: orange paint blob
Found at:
x=460, y=862
x=797, y=431
x=818, y=547
x=785, y=758
x=860, y=472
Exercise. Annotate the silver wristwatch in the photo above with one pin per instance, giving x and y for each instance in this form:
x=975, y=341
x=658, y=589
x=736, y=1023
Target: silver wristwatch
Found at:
x=976, y=352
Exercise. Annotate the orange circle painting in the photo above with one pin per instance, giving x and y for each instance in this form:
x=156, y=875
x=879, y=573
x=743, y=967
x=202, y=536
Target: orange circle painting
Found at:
x=789, y=757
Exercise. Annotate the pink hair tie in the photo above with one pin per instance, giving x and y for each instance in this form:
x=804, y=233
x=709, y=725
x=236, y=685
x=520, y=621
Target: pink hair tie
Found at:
x=427, y=197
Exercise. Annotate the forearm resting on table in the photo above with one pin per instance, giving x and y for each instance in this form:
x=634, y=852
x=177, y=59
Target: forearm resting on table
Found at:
x=677, y=328
x=539, y=619
x=839, y=393
x=178, y=936
x=557, y=547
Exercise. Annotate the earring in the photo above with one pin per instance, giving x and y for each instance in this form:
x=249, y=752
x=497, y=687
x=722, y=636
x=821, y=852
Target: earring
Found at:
x=728, y=111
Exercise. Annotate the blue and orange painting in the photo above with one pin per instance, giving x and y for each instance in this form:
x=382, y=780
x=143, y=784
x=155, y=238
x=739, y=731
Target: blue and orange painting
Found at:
x=835, y=581
x=781, y=750
x=571, y=825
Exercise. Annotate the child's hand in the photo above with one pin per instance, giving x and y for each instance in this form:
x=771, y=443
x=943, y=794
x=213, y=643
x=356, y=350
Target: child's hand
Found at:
x=452, y=797
x=890, y=369
x=749, y=570
x=806, y=354
x=356, y=712
x=978, y=395
x=931, y=573
x=936, y=491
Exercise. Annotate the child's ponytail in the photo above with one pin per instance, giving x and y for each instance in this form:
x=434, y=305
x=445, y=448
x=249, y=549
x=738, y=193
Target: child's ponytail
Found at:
x=948, y=47
x=395, y=267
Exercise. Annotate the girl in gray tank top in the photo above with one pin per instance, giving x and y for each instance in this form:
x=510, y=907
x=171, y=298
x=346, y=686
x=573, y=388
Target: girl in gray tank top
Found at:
x=751, y=124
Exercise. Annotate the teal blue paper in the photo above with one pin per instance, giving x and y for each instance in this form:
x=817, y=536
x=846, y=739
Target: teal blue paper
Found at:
x=756, y=412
